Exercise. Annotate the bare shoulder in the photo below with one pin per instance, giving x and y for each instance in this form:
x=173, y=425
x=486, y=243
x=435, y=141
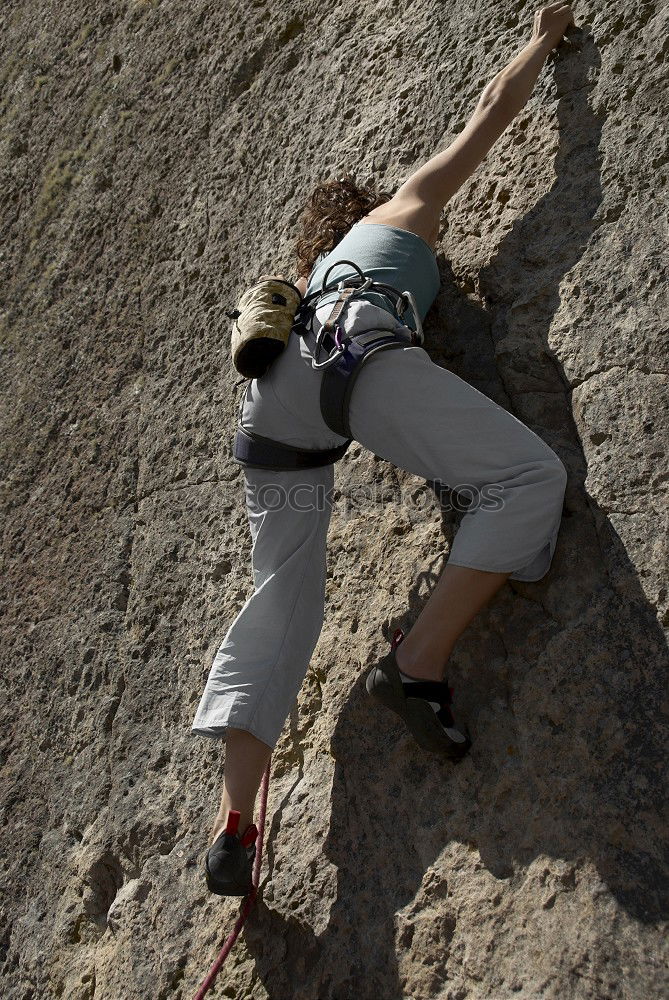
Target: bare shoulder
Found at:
x=410, y=214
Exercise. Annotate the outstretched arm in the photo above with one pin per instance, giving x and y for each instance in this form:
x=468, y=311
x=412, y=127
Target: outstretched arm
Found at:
x=438, y=179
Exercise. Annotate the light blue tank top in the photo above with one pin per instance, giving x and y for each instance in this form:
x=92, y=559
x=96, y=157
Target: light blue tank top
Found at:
x=385, y=253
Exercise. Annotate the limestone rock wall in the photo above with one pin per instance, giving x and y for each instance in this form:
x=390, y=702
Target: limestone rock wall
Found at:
x=154, y=158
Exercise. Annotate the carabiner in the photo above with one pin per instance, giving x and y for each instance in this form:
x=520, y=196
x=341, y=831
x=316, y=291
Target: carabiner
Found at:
x=420, y=337
x=330, y=360
x=367, y=283
x=336, y=351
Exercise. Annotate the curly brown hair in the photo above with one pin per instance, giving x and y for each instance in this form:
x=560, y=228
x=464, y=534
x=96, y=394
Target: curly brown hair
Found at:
x=333, y=207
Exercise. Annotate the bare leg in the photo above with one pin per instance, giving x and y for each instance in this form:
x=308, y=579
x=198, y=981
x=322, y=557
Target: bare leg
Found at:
x=245, y=761
x=459, y=595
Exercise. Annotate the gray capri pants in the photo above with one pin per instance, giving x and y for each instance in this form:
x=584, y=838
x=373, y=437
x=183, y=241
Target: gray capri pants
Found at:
x=412, y=413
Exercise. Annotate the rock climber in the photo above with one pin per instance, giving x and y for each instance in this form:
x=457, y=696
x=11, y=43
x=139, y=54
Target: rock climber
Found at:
x=410, y=412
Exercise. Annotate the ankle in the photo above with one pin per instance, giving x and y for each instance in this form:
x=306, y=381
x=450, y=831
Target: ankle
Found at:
x=418, y=666
x=245, y=819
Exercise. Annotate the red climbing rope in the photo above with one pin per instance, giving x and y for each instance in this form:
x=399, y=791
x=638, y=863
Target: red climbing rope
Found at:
x=249, y=900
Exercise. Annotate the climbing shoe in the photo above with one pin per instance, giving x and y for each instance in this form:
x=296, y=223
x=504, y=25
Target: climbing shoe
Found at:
x=229, y=861
x=425, y=706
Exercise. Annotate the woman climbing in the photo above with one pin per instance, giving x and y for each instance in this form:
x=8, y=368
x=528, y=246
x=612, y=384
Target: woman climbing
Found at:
x=414, y=414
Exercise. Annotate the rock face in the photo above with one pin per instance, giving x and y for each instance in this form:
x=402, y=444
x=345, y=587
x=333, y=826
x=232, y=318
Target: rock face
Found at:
x=155, y=158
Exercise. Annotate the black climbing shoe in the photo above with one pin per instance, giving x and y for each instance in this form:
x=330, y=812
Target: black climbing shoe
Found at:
x=229, y=860
x=423, y=705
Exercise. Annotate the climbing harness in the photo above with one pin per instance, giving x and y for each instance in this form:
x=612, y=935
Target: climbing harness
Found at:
x=211, y=976
x=346, y=354
x=262, y=452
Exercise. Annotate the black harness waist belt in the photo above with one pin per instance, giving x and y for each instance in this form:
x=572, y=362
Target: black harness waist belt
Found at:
x=259, y=452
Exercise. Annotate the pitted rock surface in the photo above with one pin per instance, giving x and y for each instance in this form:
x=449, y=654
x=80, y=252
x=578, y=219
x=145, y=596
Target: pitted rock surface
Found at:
x=155, y=157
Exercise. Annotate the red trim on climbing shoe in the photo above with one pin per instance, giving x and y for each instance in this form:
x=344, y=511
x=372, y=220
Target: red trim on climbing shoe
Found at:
x=398, y=635
x=250, y=834
x=233, y=821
